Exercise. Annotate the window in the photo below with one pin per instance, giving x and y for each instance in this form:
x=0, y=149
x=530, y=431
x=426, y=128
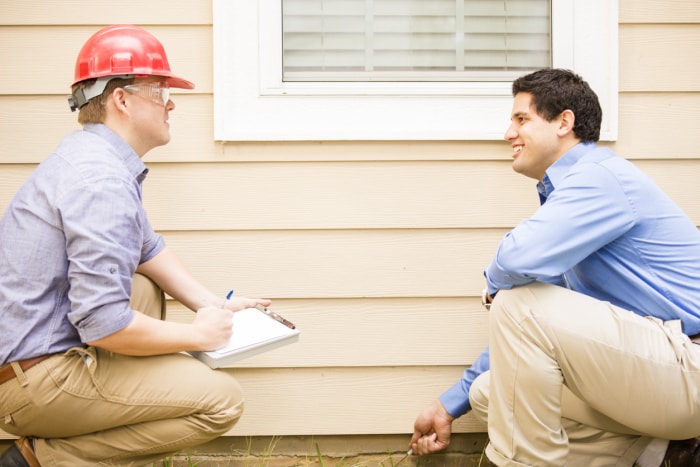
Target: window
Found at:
x=272, y=81
x=414, y=40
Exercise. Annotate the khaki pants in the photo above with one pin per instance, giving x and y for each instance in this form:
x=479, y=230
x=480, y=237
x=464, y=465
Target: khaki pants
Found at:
x=579, y=382
x=90, y=407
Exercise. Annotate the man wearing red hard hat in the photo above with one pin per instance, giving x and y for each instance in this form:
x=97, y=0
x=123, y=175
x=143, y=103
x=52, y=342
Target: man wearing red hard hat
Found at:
x=90, y=373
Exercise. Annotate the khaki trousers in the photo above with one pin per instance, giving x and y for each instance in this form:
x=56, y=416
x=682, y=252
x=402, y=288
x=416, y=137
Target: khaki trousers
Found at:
x=90, y=407
x=579, y=382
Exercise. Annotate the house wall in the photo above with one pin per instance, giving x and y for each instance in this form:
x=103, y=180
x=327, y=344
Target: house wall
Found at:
x=374, y=249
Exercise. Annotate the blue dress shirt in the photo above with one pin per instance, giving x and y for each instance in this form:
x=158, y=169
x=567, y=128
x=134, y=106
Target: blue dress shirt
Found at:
x=604, y=229
x=70, y=242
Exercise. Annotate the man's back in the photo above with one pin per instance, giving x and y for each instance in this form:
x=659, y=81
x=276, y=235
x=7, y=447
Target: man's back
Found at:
x=66, y=220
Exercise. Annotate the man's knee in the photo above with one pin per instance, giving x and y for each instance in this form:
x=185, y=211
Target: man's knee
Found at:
x=230, y=405
x=519, y=302
x=479, y=396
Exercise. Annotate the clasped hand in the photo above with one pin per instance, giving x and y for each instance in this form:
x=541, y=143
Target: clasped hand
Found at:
x=432, y=430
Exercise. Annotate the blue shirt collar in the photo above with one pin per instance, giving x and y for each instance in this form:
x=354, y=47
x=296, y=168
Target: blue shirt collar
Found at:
x=131, y=160
x=558, y=170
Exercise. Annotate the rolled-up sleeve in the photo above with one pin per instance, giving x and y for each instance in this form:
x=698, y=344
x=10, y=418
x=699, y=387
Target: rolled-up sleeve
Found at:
x=107, y=234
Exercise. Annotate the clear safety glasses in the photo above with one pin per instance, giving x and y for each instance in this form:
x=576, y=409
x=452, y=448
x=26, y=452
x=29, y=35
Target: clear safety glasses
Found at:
x=157, y=92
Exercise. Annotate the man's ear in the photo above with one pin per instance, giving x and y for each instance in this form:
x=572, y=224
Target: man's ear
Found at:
x=566, y=122
x=117, y=99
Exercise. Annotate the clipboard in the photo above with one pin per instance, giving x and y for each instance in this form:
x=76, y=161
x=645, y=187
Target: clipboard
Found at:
x=255, y=330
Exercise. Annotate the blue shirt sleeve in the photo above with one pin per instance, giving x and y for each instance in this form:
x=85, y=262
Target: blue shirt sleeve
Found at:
x=587, y=210
x=456, y=399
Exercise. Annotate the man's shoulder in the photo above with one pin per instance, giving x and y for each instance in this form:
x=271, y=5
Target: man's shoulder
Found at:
x=598, y=154
x=87, y=154
x=605, y=159
x=81, y=144
x=604, y=169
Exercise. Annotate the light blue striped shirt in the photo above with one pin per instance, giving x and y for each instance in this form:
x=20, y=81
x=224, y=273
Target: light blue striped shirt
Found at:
x=70, y=242
x=604, y=229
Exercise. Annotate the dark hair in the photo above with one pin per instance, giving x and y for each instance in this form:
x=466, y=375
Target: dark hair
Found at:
x=555, y=90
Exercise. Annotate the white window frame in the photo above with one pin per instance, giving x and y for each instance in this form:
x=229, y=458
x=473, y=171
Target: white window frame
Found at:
x=252, y=103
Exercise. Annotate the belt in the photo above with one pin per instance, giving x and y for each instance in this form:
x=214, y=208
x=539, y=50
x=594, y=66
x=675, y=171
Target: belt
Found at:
x=695, y=338
x=7, y=372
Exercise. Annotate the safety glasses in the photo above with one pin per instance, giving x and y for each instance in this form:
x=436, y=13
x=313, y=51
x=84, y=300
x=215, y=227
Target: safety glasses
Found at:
x=157, y=92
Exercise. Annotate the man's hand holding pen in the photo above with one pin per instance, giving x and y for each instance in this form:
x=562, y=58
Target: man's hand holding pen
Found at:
x=213, y=328
x=213, y=325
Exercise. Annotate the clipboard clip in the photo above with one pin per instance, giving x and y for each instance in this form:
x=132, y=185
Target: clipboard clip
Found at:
x=276, y=317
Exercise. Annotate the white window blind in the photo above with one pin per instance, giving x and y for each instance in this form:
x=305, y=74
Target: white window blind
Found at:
x=414, y=40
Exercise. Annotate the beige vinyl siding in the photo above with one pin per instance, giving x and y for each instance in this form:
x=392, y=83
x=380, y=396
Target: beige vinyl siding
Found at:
x=654, y=124
x=374, y=195
x=374, y=249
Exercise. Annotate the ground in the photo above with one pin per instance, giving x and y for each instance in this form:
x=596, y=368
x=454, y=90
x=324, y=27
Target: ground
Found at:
x=466, y=450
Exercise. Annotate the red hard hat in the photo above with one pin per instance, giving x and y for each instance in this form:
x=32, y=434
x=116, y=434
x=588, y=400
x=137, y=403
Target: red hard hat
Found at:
x=123, y=49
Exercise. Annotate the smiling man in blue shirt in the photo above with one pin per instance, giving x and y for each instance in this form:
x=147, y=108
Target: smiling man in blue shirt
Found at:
x=594, y=305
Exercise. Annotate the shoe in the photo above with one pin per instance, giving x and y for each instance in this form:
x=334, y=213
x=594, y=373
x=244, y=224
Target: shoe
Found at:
x=682, y=453
x=20, y=454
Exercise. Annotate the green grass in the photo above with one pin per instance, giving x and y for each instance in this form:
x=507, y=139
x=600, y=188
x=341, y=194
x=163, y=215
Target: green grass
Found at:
x=168, y=462
x=266, y=457
x=266, y=454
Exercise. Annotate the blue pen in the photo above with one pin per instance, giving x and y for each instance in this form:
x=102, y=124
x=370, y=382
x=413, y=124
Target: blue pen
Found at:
x=229, y=294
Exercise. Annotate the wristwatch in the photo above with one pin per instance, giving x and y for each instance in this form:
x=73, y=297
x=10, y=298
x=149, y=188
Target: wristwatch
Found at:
x=486, y=299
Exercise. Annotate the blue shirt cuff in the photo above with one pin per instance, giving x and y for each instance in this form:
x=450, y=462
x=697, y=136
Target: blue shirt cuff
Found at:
x=456, y=400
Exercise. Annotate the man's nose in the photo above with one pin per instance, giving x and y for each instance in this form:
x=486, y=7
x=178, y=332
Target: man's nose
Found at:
x=510, y=133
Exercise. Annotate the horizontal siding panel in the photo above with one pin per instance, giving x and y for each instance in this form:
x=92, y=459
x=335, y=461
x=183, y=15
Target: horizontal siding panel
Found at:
x=373, y=332
x=658, y=125
x=332, y=401
x=328, y=195
x=353, y=195
x=339, y=264
x=342, y=401
x=90, y=12
x=191, y=127
x=659, y=11
x=679, y=179
x=337, y=195
x=39, y=66
x=366, y=195
x=659, y=57
x=329, y=401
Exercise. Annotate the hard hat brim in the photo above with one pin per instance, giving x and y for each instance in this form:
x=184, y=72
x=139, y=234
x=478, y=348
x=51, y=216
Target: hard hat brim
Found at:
x=175, y=82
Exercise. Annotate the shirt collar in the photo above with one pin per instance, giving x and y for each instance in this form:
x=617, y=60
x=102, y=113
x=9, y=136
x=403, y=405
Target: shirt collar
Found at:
x=558, y=170
x=131, y=160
